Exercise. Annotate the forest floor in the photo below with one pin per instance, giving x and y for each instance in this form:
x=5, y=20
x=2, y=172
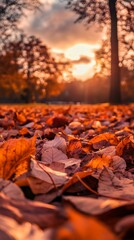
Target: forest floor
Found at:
x=67, y=172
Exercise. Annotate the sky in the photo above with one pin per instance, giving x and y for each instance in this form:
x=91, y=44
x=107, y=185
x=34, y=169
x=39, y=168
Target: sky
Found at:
x=54, y=24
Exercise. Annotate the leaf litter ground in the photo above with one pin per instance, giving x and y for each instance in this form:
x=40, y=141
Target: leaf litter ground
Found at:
x=67, y=172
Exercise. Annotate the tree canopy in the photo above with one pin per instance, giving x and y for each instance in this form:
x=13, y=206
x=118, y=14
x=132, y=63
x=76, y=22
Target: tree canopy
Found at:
x=117, y=17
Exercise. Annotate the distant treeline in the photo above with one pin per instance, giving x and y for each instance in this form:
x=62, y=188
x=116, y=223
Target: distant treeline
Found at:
x=96, y=89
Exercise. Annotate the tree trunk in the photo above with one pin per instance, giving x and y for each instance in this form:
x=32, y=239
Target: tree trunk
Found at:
x=115, y=83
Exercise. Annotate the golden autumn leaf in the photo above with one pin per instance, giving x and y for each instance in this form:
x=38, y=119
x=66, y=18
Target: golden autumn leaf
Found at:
x=24, y=131
x=126, y=142
x=21, y=118
x=98, y=162
x=15, y=155
x=83, y=227
x=109, y=137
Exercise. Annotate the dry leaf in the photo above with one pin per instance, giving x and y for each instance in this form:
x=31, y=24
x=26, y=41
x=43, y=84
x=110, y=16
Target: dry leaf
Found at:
x=57, y=142
x=24, y=131
x=98, y=162
x=109, y=137
x=75, y=125
x=71, y=161
x=94, y=206
x=15, y=155
x=125, y=224
x=42, y=214
x=21, y=118
x=13, y=230
x=43, y=178
x=118, y=164
x=10, y=189
x=73, y=184
x=52, y=154
x=82, y=227
x=108, y=151
x=110, y=185
x=125, y=149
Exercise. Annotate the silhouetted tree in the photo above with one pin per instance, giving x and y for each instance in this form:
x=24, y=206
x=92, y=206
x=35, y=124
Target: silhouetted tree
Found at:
x=118, y=16
x=11, y=80
x=30, y=62
x=12, y=10
x=10, y=13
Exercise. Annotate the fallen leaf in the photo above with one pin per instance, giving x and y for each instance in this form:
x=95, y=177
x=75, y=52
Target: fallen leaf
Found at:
x=10, y=189
x=74, y=185
x=125, y=224
x=42, y=214
x=98, y=162
x=12, y=230
x=24, y=131
x=118, y=164
x=20, y=117
x=15, y=155
x=108, y=151
x=83, y=227
x=94, y=206
x=75, y=125
x=125, y=149
x=57, y=142
x=52, y=154
x=43, y=179
x=111, y=186
x=108, y=137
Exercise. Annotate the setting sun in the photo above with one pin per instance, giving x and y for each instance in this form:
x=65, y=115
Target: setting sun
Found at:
x=83, y=58
x=82, y=49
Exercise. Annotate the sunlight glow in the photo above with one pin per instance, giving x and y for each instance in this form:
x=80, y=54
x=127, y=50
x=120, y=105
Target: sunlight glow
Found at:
x=81, y=49
x=81, y=70
x=84, y=71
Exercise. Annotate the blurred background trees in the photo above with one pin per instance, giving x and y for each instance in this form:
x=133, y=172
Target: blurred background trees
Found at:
x=29, y=72
x=116, y=16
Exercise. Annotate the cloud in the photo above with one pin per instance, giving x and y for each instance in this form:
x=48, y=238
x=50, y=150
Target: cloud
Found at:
x=55, y=26
x=82, y=59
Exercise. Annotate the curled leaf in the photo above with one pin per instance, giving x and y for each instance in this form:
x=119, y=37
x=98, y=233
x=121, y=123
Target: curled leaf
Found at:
x=42, y=178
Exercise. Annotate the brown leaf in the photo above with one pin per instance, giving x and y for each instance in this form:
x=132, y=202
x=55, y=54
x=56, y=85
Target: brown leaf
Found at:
x=118, y=164
x=74, y=185
x=42, y=178
x=94, y=206
x=10, y=189
x=15, y=155
x=108, y=151
x=52, y=154
x=44, y=215
x=83, y=227
x=13, y=230
x=74, y=145
x=75, y=126
x=58, y=142
x=125, y=149
x=125, y=224
x=112, y=186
